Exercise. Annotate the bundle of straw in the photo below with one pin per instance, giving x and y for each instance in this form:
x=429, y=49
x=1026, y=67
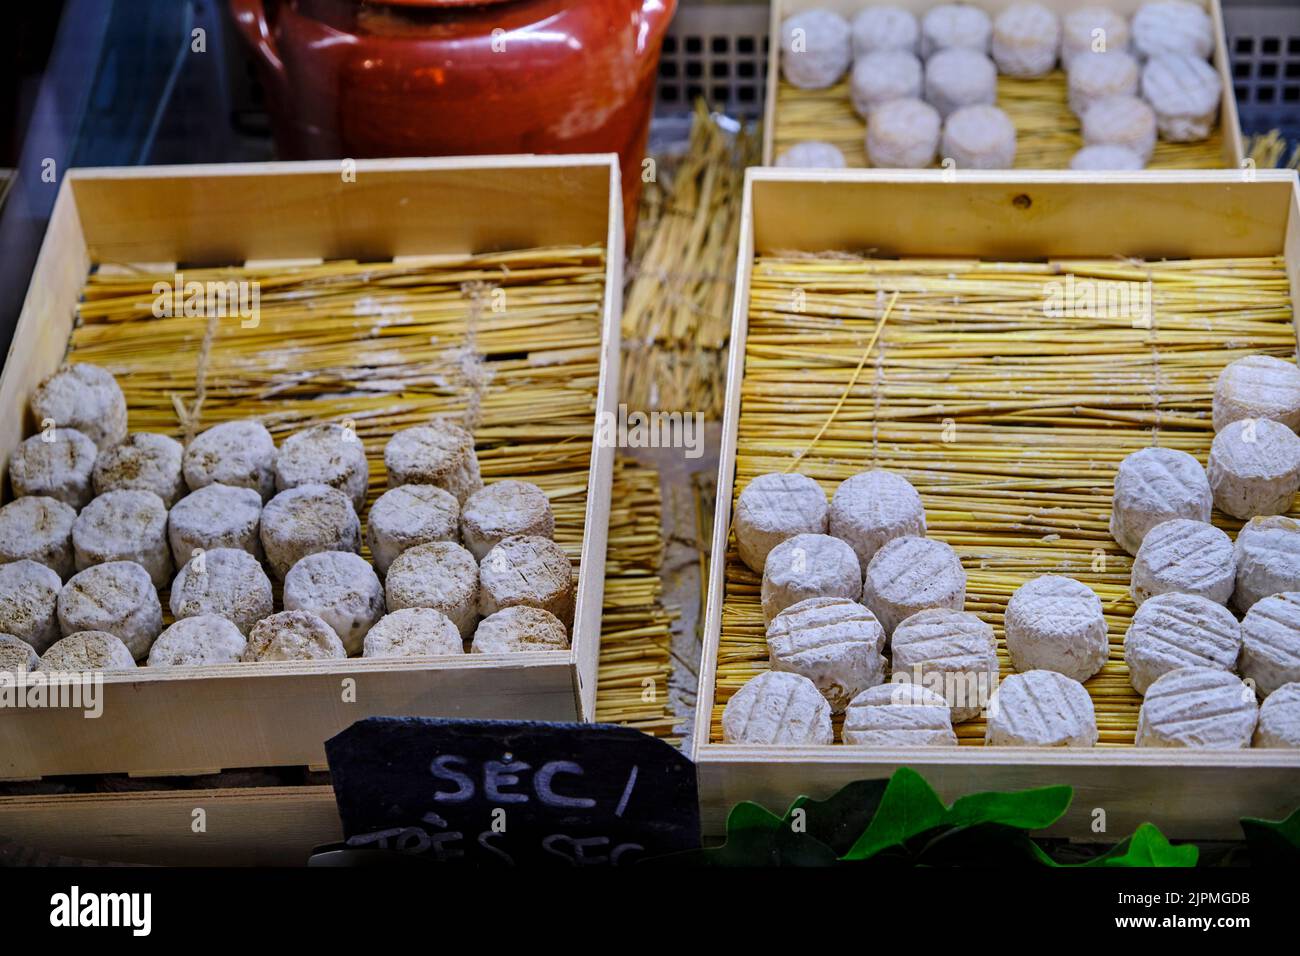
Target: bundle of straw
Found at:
x=1047, y=131
x=677, y=306
x=1009, y=421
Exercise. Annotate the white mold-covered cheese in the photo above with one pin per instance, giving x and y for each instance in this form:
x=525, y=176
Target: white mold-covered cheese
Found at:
x=1268, y=559
x=959, y=77
x=501, y=509
x=144, y=460
x=324, y=455
x=1092, y=29
x=1173, y=630
x=205, y=639
x=777, y=707
x=413, y=632
x=951, y=25
x=38, y=529
x=441, y=575
x=124, y=525
x=903, y=134
x=1173, y=26
x=1184, y=555
x=1121, y=121
x=1254, y=468
x=812, y=154
x=1041, y=709
x=872, y=508
x=774, y=507
x=1026, y=40
x=912, y=574
x=898, y=714
x=225, y=581
x=118, y=598
x=1154, y=485
x=1258, y=386
x=951, y=649
x=17, y=656
x=29, y=599
x=517, y=629
x=293, y=636
x=215, y=516
x=1184, y=91
x=1279, y=718
x=342, y=589
x=880, y=77
x=885, y=27
x=527, y=569
x=815, y=49
x=807, y=566
x=1202, y=707
x=57, y=464
x=1270, y=642
x=87, y=651
x=834, y=642
x=240, y=453
x=1056, y=623
x=1096, y=76
x=84, y=397
x=306, y=520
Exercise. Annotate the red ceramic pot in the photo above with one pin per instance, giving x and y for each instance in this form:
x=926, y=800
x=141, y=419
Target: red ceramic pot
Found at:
x=358, y=78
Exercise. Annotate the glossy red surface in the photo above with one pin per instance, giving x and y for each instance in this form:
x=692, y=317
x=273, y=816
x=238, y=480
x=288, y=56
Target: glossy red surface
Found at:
x=445, y=77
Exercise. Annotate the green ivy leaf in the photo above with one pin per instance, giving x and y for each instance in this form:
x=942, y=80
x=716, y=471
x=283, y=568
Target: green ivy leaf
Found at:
x=907, y=809
x=1022, y=809
x=1273, y=842
x=758, y=837
x=842, y=817
x=910, y=808
x=984, y=844
x=1147, y=847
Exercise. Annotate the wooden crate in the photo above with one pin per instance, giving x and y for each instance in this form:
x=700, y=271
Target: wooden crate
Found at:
x=188, y=720
x=1000, y=216
x=1233, y=147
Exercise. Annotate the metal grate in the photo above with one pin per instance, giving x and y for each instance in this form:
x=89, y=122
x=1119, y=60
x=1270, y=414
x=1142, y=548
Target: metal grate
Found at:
x=1264, y=42
x=718, y=52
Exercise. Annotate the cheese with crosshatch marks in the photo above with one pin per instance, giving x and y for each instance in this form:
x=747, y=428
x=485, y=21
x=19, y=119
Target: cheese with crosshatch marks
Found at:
x=834, y=642
x=1197, y=707
x=1041, y=709
x=1173, y=630
x=777, y=708
x=1056, y=623
x=1184, y=555
x=774, y=507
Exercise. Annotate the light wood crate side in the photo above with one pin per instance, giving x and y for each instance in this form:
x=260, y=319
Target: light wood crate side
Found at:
x=1202, y=214
x=271, y=826
x=182, y=720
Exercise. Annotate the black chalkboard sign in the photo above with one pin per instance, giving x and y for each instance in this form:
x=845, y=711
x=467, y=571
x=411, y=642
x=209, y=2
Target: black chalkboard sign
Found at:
x=494, y=792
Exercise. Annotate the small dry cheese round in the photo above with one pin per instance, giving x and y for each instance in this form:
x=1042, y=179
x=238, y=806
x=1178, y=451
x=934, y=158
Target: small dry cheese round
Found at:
x=501, y=509
x=324, y=455
x=1201, y=707
x=1026, y=39
x=1096, y=76
x=872, y=508
x=204, y=639
x=143, y=460
x=884, y=27
x=903, y=134
x=88, y=651
x=84, y=397
x=117, y=597
x=1268, y=560
x=1121, y=121
x=17, y=656
x=225, y=581
x=1270, y=642
x=409, y=515
x=898, y=714
x=774, y=507
x=1258, y=386
x=29, y=600
x=306, y=520
x=960, y=77
x=780, y=708
x=339, y=587
x=39, y=529
x=1102, y=158
x=1092, y=29
x=834, y=642
x=441, y=575
x=1154, y=485
x=815, y=49
x=806, y=566
x=1055, y=623
x=1173, y=26
x=1184, y=91
x=952, y=649
x=1279, y=719
x=952, y=25
x=980, y=137
x=812, y=154
x=56, y=464
x=413, y=632
x=216, y=516
x=239, y=453
x=128, y=525
x=1174, y=630
x=880, y=77
x=527, y=569
x=1041, y=709
x=1254, y=468
x=440, y=453
x=293, y=636
x=517, y=629
x=912, y=574
x=1184, y=555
